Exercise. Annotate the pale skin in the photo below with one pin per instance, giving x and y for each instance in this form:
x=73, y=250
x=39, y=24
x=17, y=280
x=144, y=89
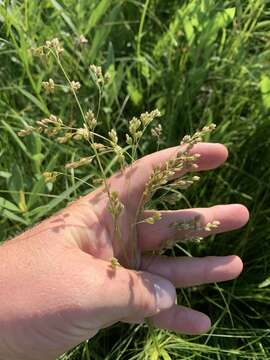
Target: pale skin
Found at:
x=58, y=287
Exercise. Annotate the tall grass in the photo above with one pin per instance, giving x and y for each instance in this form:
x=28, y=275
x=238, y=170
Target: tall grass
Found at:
x=198, y=62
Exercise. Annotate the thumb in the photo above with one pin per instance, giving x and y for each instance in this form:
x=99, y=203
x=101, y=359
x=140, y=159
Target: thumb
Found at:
x=142, y=294
x=124, y=293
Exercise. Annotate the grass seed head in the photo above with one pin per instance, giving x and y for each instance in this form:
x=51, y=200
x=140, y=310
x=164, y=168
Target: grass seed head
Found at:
x=27, y=131
x=90, y=119
x=79, y=163
x=146, y=118
x=128, y=140
x=48, y=86
x=120, y=154
x=157, y=131
x=82, y=133
x=115, y=263
x=212, y=225
x=52, y=120
x=50, y=177
x=64, y=139
x=75, y=86
x=39, y=52
x=153, y=219
x=97, y=72
x=191, y=140
x=81, y=41
x=113, y=136
x=54, y=44
x=115, y=206
x=134, y=125
x=99, y=147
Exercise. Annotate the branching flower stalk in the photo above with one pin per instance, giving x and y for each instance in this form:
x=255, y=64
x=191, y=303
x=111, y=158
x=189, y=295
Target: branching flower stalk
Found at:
x=51, y=177
x=99, y=80
x=162, y=175
x=137, y=128
x=165, y=177
x=115, y=206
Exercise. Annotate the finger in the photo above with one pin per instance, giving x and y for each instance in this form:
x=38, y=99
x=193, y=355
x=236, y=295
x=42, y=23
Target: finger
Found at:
x=187, y=271
x=157, y=235
x=107, y=294
x=131, y=182
x=183, y=320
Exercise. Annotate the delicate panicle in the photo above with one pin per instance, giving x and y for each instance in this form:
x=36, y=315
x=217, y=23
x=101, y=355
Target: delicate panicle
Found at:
x=137, y=127
x=166, y=177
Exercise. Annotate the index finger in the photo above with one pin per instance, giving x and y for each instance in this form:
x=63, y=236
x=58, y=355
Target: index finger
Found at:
x=131, y=182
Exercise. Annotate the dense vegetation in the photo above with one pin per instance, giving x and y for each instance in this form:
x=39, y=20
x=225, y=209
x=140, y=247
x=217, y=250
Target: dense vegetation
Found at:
x=197, y=62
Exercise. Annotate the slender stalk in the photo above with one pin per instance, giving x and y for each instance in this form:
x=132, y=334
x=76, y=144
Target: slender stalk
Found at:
x=117, y=230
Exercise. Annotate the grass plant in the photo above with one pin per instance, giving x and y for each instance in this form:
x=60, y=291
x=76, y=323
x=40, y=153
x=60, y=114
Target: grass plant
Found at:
x=198, y=62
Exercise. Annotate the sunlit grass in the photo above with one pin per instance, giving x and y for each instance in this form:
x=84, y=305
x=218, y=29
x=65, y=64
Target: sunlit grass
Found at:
x=198, y=62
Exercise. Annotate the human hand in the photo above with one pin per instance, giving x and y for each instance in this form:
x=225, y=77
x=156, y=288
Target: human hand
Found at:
x=58, y=287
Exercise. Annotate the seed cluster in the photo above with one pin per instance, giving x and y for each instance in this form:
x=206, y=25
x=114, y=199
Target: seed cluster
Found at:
x=48, y=86
x=164, y=175
x=115, y=206
x=181, y=162
x=137, y=127
x=81, y=162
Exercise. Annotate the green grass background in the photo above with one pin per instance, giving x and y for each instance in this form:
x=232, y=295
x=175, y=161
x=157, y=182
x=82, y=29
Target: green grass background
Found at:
x=197, y=61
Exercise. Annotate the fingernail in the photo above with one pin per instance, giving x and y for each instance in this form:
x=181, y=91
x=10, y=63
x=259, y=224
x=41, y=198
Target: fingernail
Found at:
x=165, y=294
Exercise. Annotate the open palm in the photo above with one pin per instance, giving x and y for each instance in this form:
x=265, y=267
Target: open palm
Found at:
x=66, y=289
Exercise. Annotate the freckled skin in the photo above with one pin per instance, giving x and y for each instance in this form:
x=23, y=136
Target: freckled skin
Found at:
x=58, y=285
